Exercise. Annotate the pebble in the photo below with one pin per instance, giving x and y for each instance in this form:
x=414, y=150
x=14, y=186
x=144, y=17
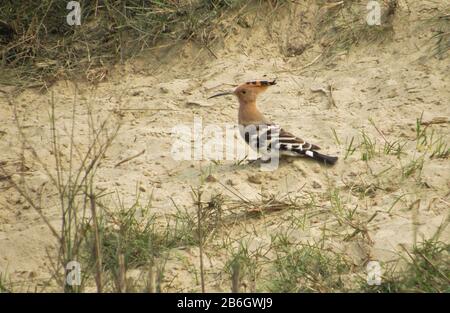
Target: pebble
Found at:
x=316, y=168
x=299, y=165
x=230, y=182
x=147, y=173
x=211, y=179
x=392, y=94
x=255, y=179
x=164, y=90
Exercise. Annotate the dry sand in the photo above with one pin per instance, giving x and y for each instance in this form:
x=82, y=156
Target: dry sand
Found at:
x=391, y=83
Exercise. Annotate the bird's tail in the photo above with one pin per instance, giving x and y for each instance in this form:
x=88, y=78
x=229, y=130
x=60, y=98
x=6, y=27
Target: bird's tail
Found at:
x=322, y=158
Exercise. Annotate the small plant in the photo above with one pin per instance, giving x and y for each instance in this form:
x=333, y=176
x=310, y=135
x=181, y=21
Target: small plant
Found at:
x=413, y=168
x=3, y=284
x=185, y=228
x=350, y=149
x=426, y=142
x=394, y=148
x=307, y=268
x=440, y=149
x=243, y=267
x=440, y=26
x=335, y=136
x=367, y=147
x=362, y=188
x=339, y=208
x=421, y=134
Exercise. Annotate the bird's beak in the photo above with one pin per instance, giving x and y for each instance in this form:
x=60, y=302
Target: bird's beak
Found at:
x=221, y=94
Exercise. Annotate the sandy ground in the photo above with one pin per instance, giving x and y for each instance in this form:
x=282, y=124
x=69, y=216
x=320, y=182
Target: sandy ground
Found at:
x=391, y=83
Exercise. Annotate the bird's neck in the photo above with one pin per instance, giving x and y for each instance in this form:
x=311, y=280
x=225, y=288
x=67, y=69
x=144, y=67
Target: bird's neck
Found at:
x=249, y=113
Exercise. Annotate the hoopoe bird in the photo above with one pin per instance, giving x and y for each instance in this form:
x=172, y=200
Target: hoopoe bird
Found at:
x=269, y=135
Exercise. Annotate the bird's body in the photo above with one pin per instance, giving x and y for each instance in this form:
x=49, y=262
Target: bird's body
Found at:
x=263, y=135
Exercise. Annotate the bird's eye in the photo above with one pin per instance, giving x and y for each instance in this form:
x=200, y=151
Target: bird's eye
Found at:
x=244, y=92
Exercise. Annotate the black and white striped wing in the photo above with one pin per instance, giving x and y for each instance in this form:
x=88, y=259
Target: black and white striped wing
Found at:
x=264, y=138
x=292, y=145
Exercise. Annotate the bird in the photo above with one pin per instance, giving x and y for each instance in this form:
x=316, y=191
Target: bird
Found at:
x=269, y=135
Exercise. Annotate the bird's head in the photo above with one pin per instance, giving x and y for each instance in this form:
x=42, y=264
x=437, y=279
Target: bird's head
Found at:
x=247, y=92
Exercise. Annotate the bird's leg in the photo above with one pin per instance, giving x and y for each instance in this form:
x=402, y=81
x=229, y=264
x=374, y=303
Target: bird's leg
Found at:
x=261, y=159
x=255, y=161
x=265, y=158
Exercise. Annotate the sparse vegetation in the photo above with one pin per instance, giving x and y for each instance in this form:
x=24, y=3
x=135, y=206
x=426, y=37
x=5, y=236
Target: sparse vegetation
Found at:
x=72, y=177
x=426, y=270
x=244, y=268
x=440, y=25
x=39, y=47
x=307, y=268
x=306, y=228
x=343, y=24
x=4, y=285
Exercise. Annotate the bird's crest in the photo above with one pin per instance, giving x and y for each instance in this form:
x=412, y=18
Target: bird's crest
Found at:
x=261, y=83
x=257, y=86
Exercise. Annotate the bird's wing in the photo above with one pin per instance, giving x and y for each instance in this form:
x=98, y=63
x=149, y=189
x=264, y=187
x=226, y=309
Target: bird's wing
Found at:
x=288, y=140
x=267, y=136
